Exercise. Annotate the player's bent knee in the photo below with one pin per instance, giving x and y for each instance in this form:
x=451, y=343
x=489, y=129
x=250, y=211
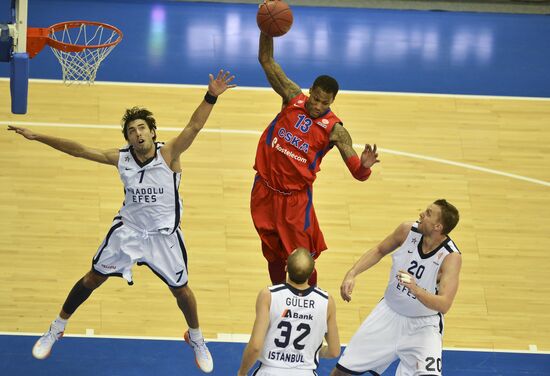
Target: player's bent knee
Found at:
x=181, y=292
x=93, y=280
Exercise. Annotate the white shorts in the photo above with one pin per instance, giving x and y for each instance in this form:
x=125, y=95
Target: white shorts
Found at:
x=124, y=246
x=264, y=370
x=386, y=336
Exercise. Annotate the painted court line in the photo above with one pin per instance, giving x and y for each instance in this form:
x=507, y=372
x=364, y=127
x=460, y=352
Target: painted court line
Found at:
x=257, y=133
x=362, y=92
x=243, y=338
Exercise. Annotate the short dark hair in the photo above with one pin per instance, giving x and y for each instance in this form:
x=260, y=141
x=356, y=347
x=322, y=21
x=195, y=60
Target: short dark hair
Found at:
x=327, y=84
x=300, y=265
x=135, y=113
x=449, y=215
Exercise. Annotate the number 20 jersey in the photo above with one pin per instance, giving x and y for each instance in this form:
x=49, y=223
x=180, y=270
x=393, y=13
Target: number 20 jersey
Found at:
x=424, y=269
x=291, y=148
x=297, y=326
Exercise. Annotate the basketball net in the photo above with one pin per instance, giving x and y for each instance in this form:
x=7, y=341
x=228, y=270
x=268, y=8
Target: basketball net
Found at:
x=95, y=41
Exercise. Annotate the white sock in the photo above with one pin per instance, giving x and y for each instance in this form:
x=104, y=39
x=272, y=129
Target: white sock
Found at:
x=59, y=324
x=195, y=334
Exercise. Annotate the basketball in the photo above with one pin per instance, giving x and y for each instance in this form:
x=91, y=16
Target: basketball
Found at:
x=274, y=18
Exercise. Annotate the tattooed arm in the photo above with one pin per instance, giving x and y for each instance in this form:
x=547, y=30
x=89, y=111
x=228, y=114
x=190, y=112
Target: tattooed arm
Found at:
x=277, y=78
x=359, y=168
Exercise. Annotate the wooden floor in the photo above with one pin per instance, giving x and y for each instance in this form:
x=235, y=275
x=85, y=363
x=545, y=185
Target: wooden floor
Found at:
x=55, y=210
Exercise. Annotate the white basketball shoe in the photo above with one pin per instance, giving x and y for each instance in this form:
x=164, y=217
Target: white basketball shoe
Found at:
x=43, y=347
x=202, y=355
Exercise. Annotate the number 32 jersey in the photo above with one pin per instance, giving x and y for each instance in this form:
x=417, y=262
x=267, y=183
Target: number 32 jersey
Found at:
x=298, y=324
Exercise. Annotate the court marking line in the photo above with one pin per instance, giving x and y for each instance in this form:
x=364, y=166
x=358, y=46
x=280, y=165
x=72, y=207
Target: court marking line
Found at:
x=248, y=88
x=228, y=339
x=257, y=133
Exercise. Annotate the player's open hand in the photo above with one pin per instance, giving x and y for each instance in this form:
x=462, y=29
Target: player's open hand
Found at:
x=347, y=288
x=27, y=133
x=221, y=83
x=369, y=156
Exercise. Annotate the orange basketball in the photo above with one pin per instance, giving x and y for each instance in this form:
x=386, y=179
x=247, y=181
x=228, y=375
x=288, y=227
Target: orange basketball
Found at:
x=274, y=18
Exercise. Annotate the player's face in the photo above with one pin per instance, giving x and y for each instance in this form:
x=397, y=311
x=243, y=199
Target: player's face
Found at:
x=140, y=136
x=319, y=102
x=430, y=220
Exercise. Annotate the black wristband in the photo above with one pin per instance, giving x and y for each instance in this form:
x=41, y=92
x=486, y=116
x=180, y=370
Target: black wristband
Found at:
x=210, y=98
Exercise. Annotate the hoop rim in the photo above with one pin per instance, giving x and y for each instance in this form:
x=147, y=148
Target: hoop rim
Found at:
x=71, y=47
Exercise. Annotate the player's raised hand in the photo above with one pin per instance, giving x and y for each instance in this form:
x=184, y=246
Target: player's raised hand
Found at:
x=369, y=156
x=221, y=83
x=27, y=133
x=347, y=288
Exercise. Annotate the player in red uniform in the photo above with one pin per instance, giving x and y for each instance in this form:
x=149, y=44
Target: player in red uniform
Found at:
x=287, y=160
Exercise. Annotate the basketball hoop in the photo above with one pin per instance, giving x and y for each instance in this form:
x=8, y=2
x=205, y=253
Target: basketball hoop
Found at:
x=80, y=47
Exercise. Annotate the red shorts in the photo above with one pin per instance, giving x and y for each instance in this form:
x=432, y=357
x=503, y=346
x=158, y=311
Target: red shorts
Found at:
x=285, y=221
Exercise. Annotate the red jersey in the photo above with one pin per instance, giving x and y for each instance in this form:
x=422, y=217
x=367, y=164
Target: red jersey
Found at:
x=292, y=146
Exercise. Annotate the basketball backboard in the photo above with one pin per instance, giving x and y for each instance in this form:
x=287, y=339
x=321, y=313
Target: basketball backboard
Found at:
x=79, y=46
x=13, y=50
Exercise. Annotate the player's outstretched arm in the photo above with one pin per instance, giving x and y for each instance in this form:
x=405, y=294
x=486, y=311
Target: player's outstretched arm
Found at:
x=372, y=257
x=359, y=168
x=70, y=147
x=277, y=78
x=332, y=349
x=256, y=343
x=216, y=87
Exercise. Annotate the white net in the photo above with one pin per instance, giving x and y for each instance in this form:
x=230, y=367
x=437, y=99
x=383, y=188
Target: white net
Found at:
x=82, y=66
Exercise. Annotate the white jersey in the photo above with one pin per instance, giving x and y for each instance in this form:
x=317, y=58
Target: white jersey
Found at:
x=423, y=267
x=151, y=201
x=297, y=326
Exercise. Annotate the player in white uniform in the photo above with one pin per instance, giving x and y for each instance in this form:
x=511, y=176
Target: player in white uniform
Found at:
x=291, y=321
x=408, y=323
x=146, y=230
